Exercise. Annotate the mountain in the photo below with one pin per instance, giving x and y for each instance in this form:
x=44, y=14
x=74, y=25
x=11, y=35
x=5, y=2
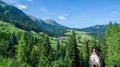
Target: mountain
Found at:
x=98, y=31
x=11, y=14
x=51, y=26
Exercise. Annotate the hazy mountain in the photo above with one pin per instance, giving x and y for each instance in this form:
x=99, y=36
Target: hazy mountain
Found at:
x=51, y=26
x=95, y=30
x=98, y=31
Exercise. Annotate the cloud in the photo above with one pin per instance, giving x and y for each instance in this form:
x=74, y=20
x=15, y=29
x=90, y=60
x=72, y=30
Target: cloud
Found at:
x=62, y=18
x=17, y=4
x=21, y=6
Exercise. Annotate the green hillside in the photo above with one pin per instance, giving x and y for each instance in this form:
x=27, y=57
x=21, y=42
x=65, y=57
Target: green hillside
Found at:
x=95, y=30
x=13, y=15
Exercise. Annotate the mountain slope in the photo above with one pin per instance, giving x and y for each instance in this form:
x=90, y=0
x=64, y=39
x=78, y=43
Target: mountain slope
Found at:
x=95, y=30
x=98, y=31
x=51, y=26
x=13, y=15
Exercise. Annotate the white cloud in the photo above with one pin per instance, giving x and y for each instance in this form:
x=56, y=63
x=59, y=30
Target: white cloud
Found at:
x=62, y=17
x=21, y=6
x=17, y=4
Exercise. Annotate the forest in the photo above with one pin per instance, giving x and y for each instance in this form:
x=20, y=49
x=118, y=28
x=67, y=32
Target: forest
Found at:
x=19, y=48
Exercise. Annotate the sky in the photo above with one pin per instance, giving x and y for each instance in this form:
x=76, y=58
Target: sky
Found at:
x=72, y=13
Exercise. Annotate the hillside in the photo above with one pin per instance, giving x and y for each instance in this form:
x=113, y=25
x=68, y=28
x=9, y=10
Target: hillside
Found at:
x=13, y=15
x=95, y=30
x=51, y=26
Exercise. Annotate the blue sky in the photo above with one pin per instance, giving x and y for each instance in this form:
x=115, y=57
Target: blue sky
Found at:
x=72, y=13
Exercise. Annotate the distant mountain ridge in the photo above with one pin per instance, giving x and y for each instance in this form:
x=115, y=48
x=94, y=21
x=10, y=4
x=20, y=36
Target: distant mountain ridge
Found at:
x=11, y=14
x=51, y=26
x=97, y=31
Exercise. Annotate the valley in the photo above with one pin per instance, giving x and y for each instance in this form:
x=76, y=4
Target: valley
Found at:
x=27, y=41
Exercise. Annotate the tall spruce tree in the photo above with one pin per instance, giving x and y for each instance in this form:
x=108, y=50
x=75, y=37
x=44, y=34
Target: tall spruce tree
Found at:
x=58, y=46
x=45, y=52
x=22, y=56
x=72, y=52
x=21, y=49
x=85, y=53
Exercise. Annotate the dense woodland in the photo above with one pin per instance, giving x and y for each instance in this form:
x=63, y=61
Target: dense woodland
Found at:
x=24, y=49
x=24, y=43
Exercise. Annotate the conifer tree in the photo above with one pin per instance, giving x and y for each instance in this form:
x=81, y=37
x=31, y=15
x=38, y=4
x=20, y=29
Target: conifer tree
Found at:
x=12, y=44
x=85, y=53
x=113, y=43
x=21, y=49
x=58, y=46
x=45, y=52
x=72, y=52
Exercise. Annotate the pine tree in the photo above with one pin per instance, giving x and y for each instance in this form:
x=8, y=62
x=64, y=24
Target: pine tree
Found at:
x=21, y=49
x=12, y=44
x=3, y=44
x=72, y=52
x=45, y=52
x=85, y=53
x=92, y=44
x=58, y=46
x=34, y=56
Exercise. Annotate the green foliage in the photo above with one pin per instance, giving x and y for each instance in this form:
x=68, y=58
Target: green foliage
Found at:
x=21, y=49
x=98, y=31
x=37, y=50
x=3, y=44
x=45, y=52
x=85, y=53
x=113, y=43
x=72, y=52
x=9, y=62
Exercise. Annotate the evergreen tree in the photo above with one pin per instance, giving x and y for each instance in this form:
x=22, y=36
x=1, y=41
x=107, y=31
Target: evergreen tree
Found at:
x=113, y=43
x=85, y=53
x=72, y=52
x=21, y=48
x=93, y=43
x=45, y=52
x=34, y=56
x=58, y=46
x=12, y=44
x=103, y=49
x=3, y=44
